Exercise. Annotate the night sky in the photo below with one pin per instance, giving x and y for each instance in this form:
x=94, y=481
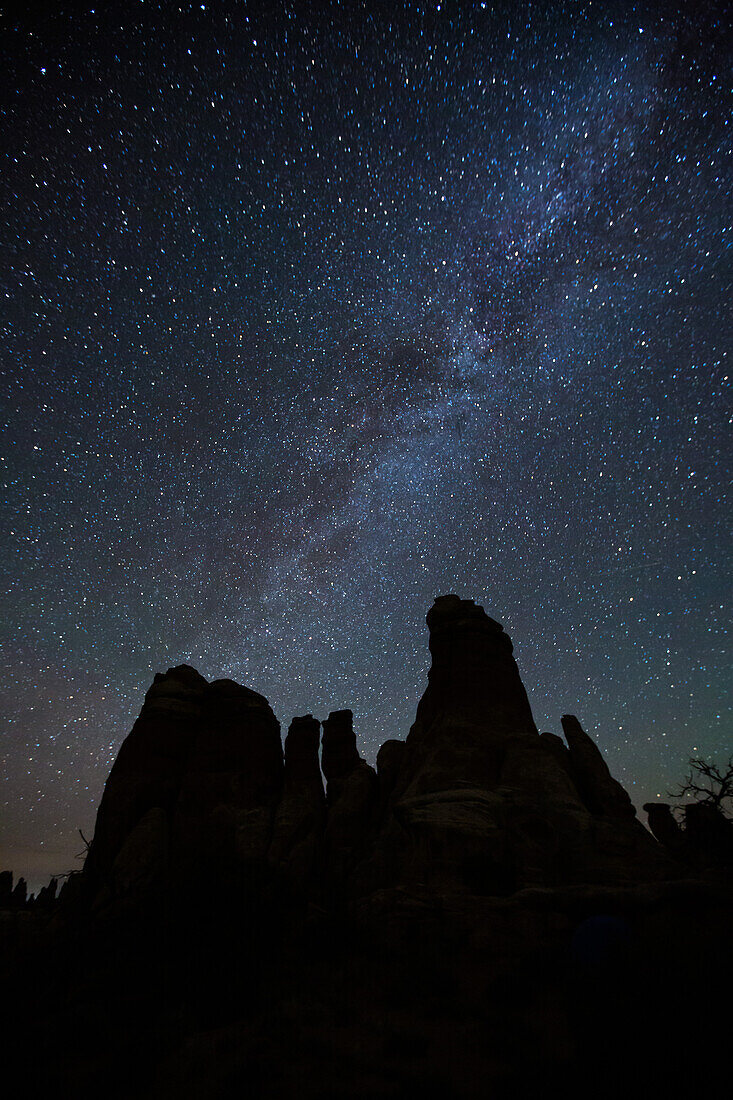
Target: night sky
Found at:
x=313, y=313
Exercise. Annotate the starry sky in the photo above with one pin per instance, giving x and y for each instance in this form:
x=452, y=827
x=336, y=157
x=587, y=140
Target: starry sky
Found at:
x=311, y=313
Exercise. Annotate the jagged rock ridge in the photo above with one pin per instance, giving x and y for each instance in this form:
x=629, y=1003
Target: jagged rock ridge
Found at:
x=475, y=800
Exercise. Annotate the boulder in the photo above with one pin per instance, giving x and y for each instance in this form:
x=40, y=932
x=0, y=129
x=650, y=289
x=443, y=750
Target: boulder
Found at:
x=709, y=833
x=666, y=829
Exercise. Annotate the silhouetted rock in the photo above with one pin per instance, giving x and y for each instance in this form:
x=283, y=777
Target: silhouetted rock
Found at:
x=474, y=800
x=480, y=802
x=340, y=755
x=300, y=817
x=193, y=790
x=150, y=765
x=47, y=894
x=446, y=822
x=19, y=896
x=390, y=759
x=666, y=830
x=301, y=754
x=557, y=746
x=351, y=793
x=143, y=859
x=484, y=915
x=231, y=785
x=705, y=840
x=473, y=680
x=599, y=790
x=75, y=893
x=708, y=832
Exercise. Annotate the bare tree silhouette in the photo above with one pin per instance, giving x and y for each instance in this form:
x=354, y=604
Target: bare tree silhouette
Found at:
x=708, y=783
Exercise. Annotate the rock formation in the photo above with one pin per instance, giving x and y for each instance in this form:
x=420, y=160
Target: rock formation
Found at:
x=480, y=801
x=666, y=830
x=194, y=789
x=47, y=894
x=709, y=833
x=483, y=914
x=299, y=821
x=19, y=896
x=474, y=801
x=351, y=793
x=600, y=791
x=706, y=839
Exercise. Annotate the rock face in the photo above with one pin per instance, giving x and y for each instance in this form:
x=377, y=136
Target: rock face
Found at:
x=193, y=791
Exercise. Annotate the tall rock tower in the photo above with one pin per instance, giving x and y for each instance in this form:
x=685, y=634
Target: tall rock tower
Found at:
x=481, y=802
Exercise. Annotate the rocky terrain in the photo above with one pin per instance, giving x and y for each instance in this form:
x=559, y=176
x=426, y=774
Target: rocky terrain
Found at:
x=483, y=911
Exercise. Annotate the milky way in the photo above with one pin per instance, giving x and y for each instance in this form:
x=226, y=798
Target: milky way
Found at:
x=313, y=314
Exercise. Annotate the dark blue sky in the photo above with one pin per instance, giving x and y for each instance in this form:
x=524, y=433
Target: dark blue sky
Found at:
x=313, y=315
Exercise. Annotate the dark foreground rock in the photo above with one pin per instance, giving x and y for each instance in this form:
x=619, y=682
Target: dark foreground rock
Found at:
x=481, y=915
